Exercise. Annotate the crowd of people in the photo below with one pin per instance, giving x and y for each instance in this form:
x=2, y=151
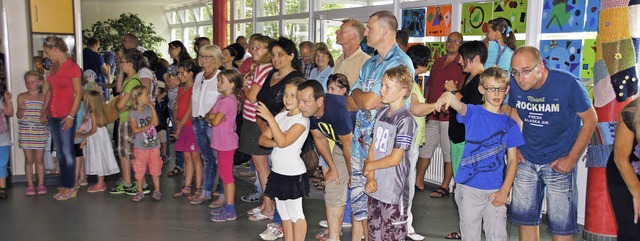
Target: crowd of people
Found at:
x=373, y=128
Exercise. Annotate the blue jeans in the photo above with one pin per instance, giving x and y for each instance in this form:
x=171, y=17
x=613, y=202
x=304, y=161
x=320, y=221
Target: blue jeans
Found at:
x=179, y=155
x=63, y=140
x=203, y=135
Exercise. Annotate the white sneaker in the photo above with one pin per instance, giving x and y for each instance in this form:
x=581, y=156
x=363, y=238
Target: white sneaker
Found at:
x=273, y=232
x=325, y=224
x=415, y=236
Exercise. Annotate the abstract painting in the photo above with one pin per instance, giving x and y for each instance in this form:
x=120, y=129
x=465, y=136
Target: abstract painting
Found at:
x=413, y=21
x=563, y=16
x=439, y=20
x=438, y=49
x=562, y=54
x=592, y=11
x=475, y=17
x=515, y=11
x=588, y=58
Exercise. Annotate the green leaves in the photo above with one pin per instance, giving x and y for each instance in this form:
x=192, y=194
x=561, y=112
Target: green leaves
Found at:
x=109, y=32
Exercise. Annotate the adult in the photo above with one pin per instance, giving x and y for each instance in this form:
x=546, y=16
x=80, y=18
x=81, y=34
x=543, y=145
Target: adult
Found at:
x=242, y=41
x=365, y=99
x=307, y=48
x=204, y=97
x=229, y=55
x=349, y=63
x=444, y=68
x=92, y=60
x=324, y=66
x=61, y=104
x=402, y=39
x=550, y=105
x=155, y=65
x=325, y=125
x=178, y=53
x=623, y=173
x=131, y=41
x=199, y=42
x=240, y=51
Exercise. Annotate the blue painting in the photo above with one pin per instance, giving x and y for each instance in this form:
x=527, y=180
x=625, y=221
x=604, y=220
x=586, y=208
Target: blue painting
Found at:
x=592, y=11
x=414, y=21
x=561, y=16
x=562, y=54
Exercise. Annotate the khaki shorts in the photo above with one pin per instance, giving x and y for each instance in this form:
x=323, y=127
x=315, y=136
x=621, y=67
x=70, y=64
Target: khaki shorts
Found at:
x=125, y=141
x=336, y=194
x=436, y=133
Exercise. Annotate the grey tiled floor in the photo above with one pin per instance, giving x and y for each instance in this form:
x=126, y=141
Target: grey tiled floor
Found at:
x=102, y=216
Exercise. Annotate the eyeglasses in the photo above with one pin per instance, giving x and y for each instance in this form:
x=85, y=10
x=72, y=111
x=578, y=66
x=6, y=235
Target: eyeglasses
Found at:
x=454, y=41
x=494, y=89
x=524, y=72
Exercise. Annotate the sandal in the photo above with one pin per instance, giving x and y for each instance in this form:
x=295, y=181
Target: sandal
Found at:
x=254, y=211
x=259, y=216
x=440, y=192
x=3, y=193
x=175, y=172
x=195, y=194
x=454, y=235
x=183, y=192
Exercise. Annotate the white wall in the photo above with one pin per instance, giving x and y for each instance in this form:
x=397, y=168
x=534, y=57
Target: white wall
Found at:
x=148, y=12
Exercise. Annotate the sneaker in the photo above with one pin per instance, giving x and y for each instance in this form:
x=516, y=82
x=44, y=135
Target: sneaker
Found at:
x=225, y=216
x=325, y=224
x=118, y=189
x=41, y=190
x=252, y=198
x=273, y=232
x=132, y=190
x=97, y=188
x=83, y=182
x=156, y=195
x=216, y=211
x=146, y=190
x=30, y=191
x=138, y=197
x=218, y=203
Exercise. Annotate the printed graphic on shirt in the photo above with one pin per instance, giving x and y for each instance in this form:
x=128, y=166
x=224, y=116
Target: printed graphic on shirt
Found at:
x=150, y=137
x=327, y=130
x=537, y=108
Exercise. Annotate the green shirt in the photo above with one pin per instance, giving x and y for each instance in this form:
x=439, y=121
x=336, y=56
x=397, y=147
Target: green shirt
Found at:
x=421, y=121
x=128, y=84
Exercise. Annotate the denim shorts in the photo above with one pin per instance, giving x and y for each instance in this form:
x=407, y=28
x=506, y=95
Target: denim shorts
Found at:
x=531, y=184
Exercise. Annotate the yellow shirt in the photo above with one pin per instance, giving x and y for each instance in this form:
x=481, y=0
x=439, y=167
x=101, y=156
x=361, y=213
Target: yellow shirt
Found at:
x=351, y=66
x=421, y=121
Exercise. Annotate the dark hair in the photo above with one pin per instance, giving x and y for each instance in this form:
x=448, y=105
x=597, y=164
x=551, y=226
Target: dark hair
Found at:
x=136, y=58
x=289, y=47
x=503, y=26
x=152, y=58
x=420, y=55
x=233, y=53
x=197, y=40
x=471, y=49
x=183, y=55
x=92, y=42
x=324, y=50
x=190, y=66
x=402, y=37
x=240, y=37
x=387, y=18
x=239, y=51
x=318, y=90
x=341, y=80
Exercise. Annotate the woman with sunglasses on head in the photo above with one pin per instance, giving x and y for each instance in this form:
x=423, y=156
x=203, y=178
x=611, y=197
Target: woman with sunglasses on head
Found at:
x=61, y=104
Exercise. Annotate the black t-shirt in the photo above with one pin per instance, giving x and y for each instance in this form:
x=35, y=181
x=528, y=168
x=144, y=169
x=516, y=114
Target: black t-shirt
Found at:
x=271, y=96
x=336, y=121
x=470, y=95
x=613, y=174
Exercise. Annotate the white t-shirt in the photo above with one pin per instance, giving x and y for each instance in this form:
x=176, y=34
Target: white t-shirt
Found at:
x=205, y=94
x=286, y=161
x=147, y=73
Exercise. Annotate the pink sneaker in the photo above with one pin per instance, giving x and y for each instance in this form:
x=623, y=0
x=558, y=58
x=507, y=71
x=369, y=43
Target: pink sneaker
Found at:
x=97, y=188
x=30, y=191
x=41, y=190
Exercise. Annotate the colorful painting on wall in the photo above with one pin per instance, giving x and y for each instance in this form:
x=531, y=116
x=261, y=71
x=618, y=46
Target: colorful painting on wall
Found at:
x=439, y=20
x=562, y=54
x=413, y=21
x=592, y=11
x=475, y=17
x=588, y=58
x=438, y=49
x=515, y=11
x=563, y=16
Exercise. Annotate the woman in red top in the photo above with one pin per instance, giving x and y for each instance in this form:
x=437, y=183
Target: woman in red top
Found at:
x=60, y=107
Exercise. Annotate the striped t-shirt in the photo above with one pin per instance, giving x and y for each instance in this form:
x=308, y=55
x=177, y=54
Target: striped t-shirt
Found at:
x=259, y=76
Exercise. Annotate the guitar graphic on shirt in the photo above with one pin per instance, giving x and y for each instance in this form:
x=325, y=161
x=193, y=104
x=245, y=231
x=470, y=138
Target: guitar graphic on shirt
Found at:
x=491, y=147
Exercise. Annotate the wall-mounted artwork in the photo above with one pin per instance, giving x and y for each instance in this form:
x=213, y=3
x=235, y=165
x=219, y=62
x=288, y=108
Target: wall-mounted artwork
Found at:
x=515, y=11
x=592, y=11
x=563, y=16
x=439, y=20
x=413, y=21
x=475, y=17
x=562, y=54
x=438, y=49
x=588, y=58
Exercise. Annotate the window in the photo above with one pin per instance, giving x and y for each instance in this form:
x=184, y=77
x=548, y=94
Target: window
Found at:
x=271, y=28
x=268, y=7
x=296, y=30
x=333, y=4
x=296, y=6
x=243, y=29
x=244, y=9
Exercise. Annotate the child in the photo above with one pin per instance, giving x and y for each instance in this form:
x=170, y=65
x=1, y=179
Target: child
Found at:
x=338, y=84
x=162, y=111
x=501, y=42
x=185, y=136
x=388, y=164
x=96, y=143
x=146, y=146
x=287, y=133
x=483, y=181
x=32, y=134
x=6, y=110
x=224, y=139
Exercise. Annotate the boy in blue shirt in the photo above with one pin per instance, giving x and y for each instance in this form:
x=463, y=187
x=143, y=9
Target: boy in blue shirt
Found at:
x=388, y=164
x=483, y=182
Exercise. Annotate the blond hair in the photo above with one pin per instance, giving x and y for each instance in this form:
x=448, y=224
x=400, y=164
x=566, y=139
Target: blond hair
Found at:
x=94, y=104
x=212, y=50
x=402, y=77
x=135, y=93
x=357, y=25
x=55, y=42
x=495, y=73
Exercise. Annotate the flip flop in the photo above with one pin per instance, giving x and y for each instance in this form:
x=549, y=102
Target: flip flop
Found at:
x=440, y=192
x=415, y=236
x=254, y=211
x=453, y=235
x=259, y=216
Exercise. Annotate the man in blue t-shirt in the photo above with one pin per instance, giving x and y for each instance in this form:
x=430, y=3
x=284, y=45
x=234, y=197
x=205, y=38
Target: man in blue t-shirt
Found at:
x=557, y=119
x=92, y=60
x=330, y=120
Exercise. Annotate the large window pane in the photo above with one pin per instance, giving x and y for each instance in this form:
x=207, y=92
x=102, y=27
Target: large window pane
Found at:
x=243, y=29
x=329, y=28
x=187, y=16
x=296, y=6
x=297, y=30
x=269, y=7
x=337, y=4
x=206, y=31
x=271, y=29
x=244, y=9
x=191, y=34
x=176, y=34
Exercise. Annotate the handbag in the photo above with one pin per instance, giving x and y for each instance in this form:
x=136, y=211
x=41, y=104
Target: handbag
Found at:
x=309, y=155
x=111, y=108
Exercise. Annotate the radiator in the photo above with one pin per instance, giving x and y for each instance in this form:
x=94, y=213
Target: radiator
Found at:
x=435, y=173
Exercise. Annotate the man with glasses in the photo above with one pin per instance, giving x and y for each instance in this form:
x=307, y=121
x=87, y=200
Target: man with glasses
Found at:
x=445, y=68
x=557, y=119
